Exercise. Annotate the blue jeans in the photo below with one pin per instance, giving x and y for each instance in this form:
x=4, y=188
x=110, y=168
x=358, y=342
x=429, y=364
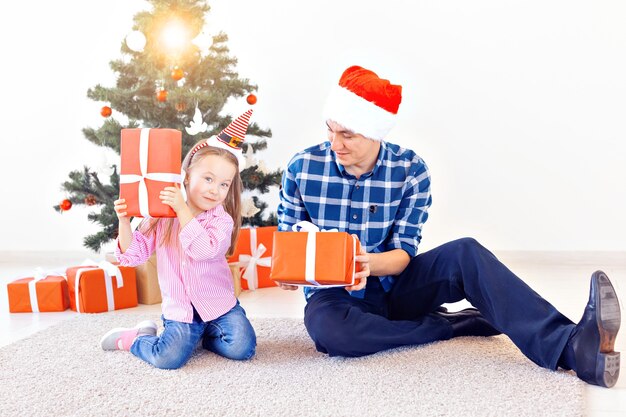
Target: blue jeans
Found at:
x=230, y=335
x=341, y=325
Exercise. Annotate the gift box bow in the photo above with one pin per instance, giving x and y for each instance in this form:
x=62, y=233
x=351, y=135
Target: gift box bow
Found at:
x=307, y=226
x=253, y=261
x=110, y=271
x=311, y=248
x=144, y=141
x=38, y=275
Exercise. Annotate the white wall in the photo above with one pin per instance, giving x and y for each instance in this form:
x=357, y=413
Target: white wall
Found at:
x=518, y=107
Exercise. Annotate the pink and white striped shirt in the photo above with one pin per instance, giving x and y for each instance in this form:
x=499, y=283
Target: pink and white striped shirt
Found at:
x=195, y=272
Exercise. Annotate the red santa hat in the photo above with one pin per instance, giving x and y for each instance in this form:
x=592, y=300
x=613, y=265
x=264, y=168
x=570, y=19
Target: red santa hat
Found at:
x=364, y=103
x=231, y=138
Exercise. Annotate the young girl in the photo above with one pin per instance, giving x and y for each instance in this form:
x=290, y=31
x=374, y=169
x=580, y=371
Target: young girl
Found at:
x=196, y=284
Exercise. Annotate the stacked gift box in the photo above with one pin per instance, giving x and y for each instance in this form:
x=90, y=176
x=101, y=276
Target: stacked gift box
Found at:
x=88, y=288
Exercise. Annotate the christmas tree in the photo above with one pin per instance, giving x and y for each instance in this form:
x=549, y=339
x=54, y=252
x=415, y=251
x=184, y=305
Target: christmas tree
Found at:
x=165, y=79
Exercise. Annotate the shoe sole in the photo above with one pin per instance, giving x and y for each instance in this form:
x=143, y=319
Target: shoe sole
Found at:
x=609, y=320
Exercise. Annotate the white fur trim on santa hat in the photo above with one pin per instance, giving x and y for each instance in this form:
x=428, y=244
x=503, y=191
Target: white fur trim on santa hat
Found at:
x=357, y=114
x=214, y=141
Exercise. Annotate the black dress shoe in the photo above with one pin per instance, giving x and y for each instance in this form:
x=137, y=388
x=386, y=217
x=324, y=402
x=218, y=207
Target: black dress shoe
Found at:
x=468, y=322
x=593, y=338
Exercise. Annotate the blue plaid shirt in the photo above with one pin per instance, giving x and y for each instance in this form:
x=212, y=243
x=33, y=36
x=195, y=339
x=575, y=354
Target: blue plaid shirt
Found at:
x=385, y=208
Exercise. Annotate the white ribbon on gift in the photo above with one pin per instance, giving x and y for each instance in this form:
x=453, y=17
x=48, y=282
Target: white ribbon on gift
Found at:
x=110, y=271
x=251, y=262
x=311, y=250
x=38, y=275
x=144, y=141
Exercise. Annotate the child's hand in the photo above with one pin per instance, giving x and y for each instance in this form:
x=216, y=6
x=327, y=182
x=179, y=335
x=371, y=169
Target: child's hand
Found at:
x=120, y=208
x=173, y=197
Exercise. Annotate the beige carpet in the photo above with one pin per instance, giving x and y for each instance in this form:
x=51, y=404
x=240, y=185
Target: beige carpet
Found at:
x=61, y=371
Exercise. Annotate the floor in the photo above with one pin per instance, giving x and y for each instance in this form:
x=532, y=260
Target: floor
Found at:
x=561, y=278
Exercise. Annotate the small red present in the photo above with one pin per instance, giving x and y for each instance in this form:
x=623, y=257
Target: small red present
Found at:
x=253, y=254
x=151, y=160
x=44, y=292
x=313, y=258
x=96, y=288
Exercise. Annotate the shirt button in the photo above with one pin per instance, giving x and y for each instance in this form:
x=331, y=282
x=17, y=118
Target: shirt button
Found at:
x=354, y=216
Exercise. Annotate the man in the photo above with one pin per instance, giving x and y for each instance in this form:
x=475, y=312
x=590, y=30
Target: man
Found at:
x=358, y=183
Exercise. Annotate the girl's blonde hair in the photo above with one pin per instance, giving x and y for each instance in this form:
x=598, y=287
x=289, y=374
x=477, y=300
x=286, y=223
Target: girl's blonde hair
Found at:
x=232, y=202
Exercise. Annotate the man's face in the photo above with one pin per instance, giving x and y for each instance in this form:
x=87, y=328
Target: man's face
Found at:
x=352, y=149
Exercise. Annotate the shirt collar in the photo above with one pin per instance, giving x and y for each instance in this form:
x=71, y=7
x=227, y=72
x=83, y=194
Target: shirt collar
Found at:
x=216, y=211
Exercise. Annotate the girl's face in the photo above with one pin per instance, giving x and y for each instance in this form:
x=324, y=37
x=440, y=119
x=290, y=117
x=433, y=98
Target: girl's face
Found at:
x=209, y=180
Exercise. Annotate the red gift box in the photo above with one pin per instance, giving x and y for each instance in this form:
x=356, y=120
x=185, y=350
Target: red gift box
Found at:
x=38, y=294
x=320, y=259
x=151, y=160
x=106, y=287
x=253, y=254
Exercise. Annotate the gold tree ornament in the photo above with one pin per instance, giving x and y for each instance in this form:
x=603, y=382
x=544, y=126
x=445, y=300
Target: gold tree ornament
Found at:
x=90, y=200
x=248, y=209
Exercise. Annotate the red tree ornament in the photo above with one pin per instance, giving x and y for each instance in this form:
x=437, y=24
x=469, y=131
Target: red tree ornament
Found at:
x=251, y=99
x=105, y=111
x=177, y=74
x=65, y=205
x=162, y=95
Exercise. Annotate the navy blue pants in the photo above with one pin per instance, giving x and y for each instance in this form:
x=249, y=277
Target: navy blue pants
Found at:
x=341, y=325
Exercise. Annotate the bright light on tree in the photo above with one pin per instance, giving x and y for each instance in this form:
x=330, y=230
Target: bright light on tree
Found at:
x=175, y=36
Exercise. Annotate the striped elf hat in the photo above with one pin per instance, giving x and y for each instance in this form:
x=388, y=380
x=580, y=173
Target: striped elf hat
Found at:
x=231, y=138
x=364, y=103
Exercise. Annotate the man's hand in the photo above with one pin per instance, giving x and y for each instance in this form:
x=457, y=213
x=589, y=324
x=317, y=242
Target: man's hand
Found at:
x=287, y=286
x=363, y=266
